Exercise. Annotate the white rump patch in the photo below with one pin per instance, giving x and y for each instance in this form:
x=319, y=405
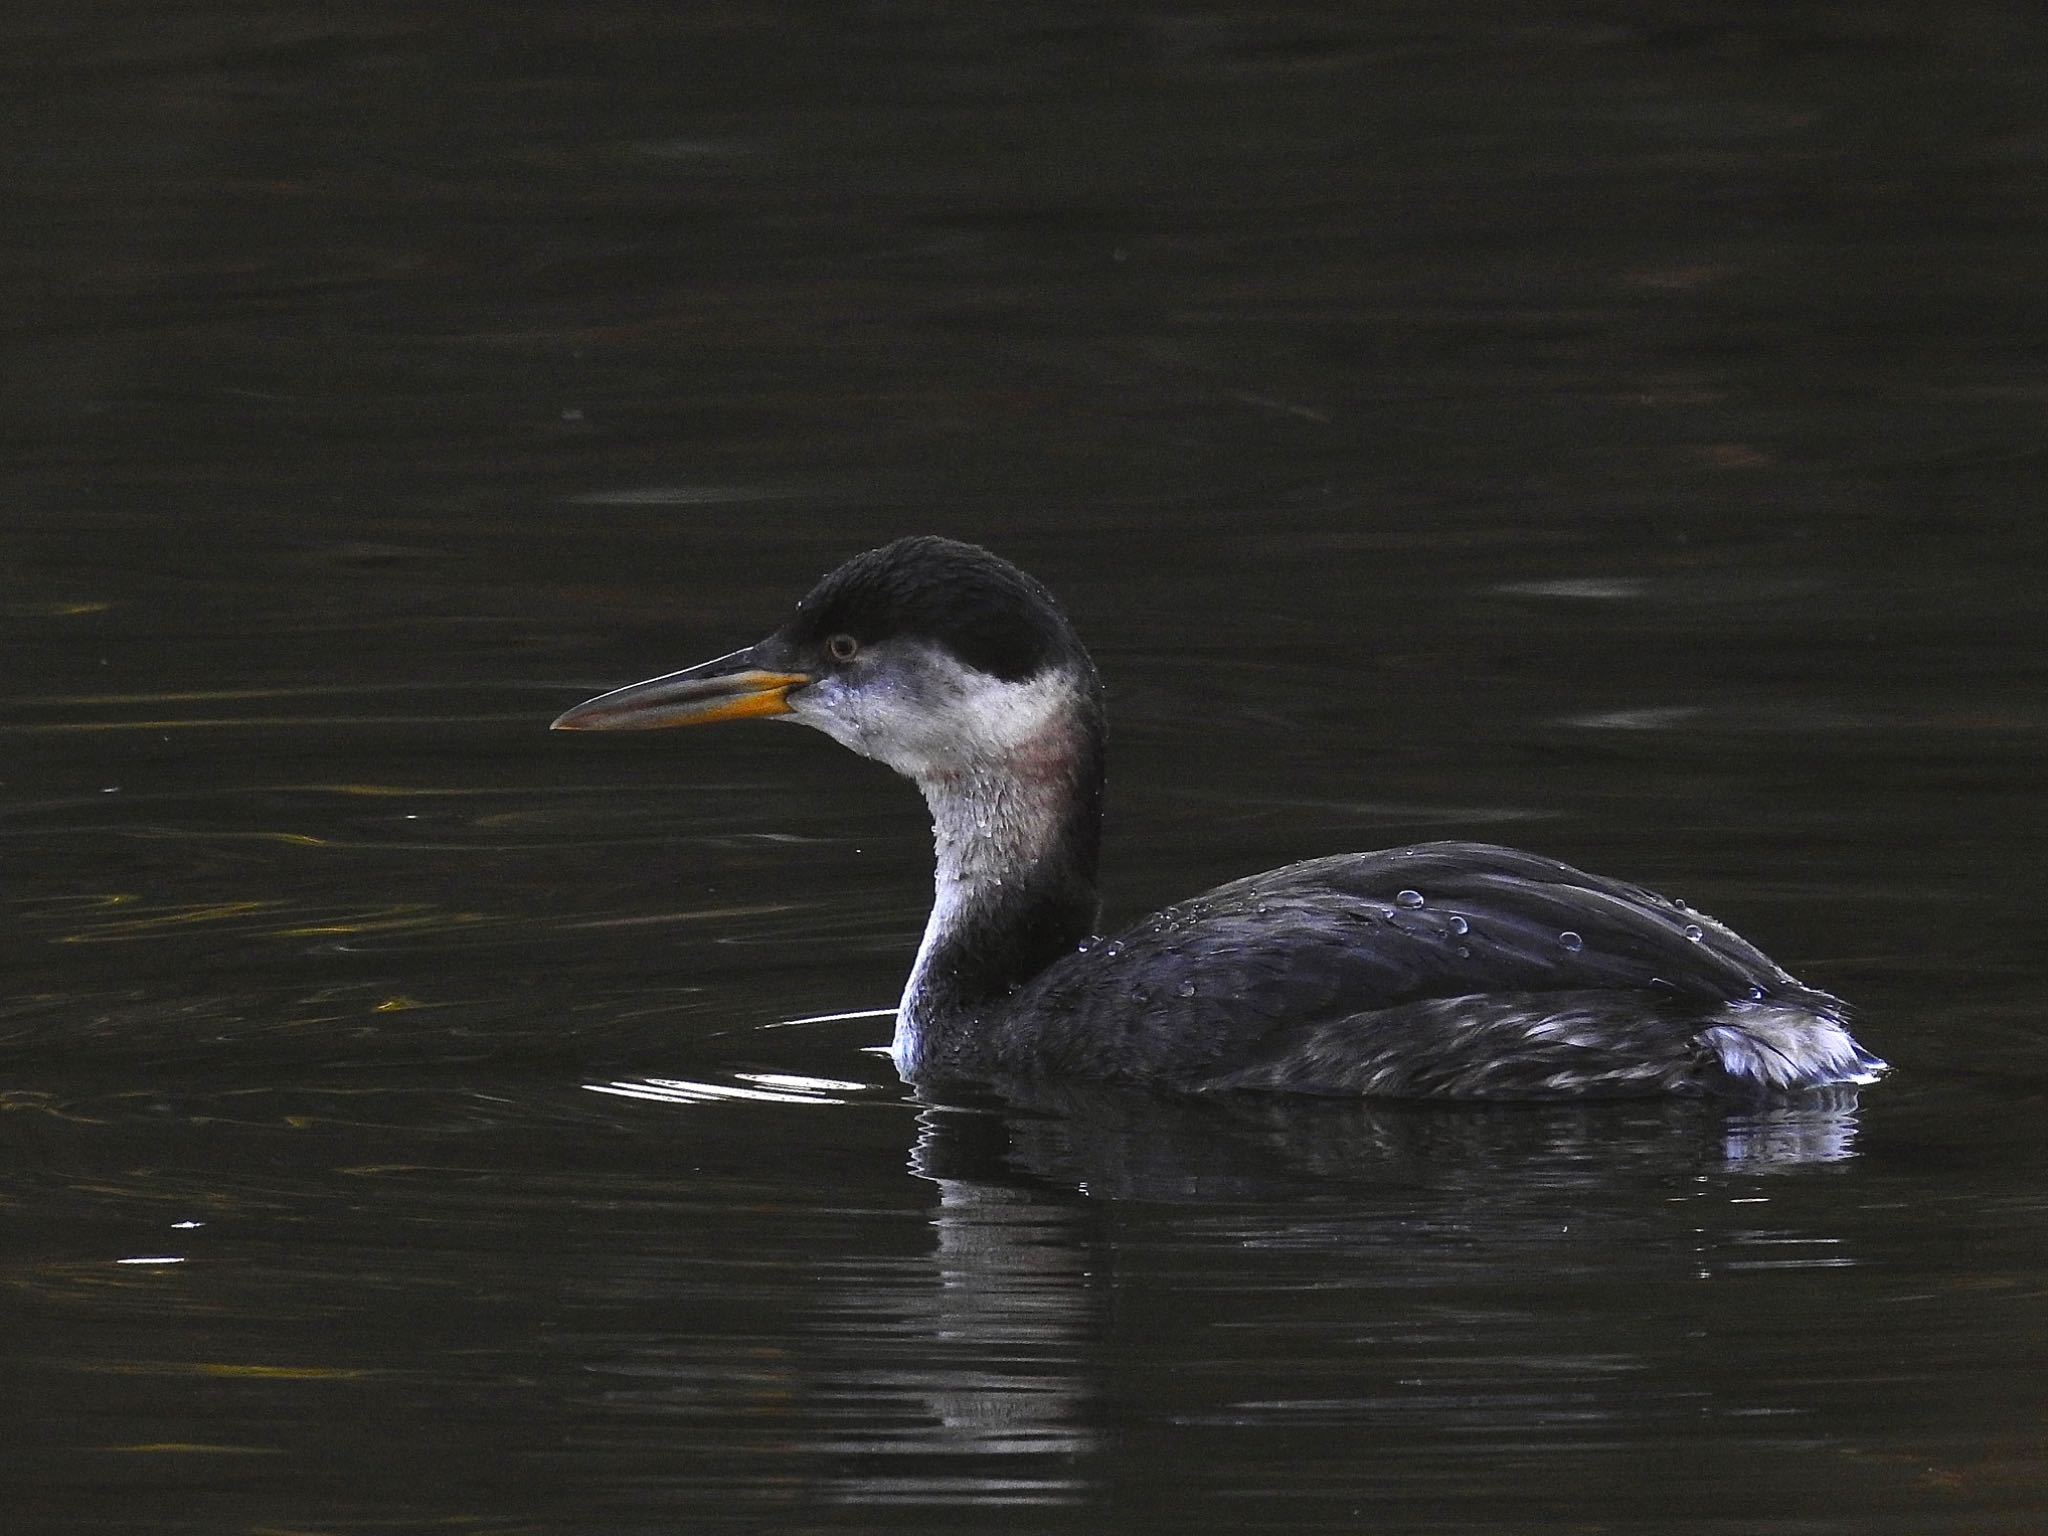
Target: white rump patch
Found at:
x=1781, y=1045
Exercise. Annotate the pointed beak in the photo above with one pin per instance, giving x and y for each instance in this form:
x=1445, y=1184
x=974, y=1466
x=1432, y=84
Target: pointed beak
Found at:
x=735, y=687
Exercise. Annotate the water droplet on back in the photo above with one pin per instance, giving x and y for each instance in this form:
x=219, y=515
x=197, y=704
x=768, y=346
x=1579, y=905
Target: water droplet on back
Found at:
x=1185, y=989
x=1409, y=899
x=1459, y=925
x=1572, y=942
x=1695, y=932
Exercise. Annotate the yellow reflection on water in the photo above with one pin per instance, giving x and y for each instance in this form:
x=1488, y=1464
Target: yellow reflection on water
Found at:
x=56, y=610
x=156, y=922
x=229, y=1370
x=411, y=915
x=274, y=918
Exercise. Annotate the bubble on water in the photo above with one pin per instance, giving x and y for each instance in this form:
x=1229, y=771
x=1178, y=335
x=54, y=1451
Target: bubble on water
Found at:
x=1113, y=948
x=1409, y=899
x=1572, y=942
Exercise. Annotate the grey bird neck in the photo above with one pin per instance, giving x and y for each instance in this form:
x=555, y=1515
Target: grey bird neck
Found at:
x=1015, y=838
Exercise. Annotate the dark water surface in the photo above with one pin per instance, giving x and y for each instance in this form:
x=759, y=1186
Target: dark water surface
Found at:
x=1613, y=430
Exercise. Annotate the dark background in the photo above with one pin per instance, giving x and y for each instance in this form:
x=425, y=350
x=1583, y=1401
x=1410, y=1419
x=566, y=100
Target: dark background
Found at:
x=1615, y=430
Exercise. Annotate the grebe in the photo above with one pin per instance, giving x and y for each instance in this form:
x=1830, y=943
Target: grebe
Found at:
x=1445, y=970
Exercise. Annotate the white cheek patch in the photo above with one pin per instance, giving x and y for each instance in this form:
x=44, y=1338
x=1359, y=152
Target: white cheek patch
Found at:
x=983, y=722
x=933, y=720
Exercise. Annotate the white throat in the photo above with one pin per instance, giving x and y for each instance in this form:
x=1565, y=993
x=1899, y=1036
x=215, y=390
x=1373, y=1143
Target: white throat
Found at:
x=997, y=809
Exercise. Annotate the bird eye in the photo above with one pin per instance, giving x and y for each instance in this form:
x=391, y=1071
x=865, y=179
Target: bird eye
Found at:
x=843, y=647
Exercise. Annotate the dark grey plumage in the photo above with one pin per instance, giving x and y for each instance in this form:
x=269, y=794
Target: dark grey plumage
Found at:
x=1448, y=970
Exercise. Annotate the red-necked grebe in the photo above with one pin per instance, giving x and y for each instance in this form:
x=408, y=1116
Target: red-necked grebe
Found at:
x=1445, y=970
